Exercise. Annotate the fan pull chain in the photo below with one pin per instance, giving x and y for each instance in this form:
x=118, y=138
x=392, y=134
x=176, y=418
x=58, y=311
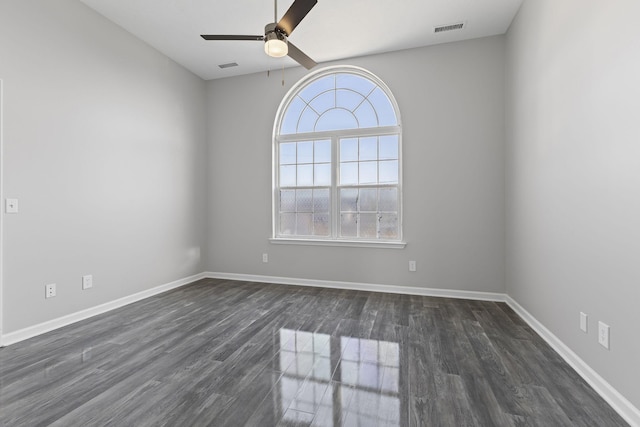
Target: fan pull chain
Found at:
x=282, y=74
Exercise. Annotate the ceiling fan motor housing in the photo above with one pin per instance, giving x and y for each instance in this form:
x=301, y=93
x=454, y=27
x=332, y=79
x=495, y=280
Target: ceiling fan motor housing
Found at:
x=275, y=41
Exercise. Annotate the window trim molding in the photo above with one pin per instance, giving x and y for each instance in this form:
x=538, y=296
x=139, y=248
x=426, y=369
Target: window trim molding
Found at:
x=347, y=133
x=276, y=138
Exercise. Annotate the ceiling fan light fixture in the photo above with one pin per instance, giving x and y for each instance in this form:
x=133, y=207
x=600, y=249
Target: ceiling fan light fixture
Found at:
x=275, y=45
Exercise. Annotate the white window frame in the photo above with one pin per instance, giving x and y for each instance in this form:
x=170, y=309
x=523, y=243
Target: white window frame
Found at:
x=334, y=136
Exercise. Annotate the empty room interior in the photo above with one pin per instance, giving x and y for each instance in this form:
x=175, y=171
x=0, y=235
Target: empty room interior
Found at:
x=414, y=213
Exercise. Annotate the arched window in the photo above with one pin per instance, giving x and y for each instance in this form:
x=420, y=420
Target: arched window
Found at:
x=337, y=160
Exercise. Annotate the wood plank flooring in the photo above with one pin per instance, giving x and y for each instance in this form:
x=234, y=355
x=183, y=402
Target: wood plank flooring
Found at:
x=224, y=353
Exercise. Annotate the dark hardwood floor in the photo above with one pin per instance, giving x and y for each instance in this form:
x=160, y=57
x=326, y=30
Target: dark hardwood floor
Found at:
x=225, y=353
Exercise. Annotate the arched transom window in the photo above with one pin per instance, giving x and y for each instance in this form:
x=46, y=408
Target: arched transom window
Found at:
x=337, y=160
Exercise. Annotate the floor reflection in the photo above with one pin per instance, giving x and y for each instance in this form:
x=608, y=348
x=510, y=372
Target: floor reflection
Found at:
x=337, y=380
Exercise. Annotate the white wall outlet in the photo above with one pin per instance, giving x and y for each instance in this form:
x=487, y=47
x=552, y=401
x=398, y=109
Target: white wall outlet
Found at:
x=11, y=206
x=412, y=266
x=583, y=322
x=50, y=290
x=265, y=257
x=603, y=334
x=87, y=281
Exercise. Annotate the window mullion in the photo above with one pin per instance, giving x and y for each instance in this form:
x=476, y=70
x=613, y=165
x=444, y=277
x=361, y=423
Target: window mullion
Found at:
x=335, y=202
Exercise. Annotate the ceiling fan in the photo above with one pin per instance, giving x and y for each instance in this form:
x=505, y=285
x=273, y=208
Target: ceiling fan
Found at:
x=276, y=43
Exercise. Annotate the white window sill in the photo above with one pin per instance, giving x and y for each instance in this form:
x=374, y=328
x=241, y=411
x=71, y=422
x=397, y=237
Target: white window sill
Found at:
x=343, y=243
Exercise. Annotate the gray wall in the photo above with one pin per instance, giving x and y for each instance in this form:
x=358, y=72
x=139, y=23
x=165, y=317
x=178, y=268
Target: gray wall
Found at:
x=451, y=100
x=573, y=176
x=104, y=146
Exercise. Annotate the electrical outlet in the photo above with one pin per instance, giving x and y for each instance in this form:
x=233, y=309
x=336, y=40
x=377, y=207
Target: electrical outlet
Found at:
x=50, y=290
x=583, y=322
x=265, y=257
x=412, y=266
x=603, y=334
x=87, y=281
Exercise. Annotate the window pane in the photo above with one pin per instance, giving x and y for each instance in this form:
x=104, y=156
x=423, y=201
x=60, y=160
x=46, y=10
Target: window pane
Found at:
x=307, y=121
x=322, y=175
x=368, y=172
x=322, y=151
x=382, y=105
x=287, y=153
x=348, y=150
x=287, y=200
x=368, y=199
x=304, y=224
x=304, y=200
x=287, y=223
x=305, y=152
x=290, y=120
x=321, y=200
x=317, y=87
x=388, y=200
x=357, y=83
x=389, y=147
x=323, y=102
x=336, y=119
x=305, y=175
x=366, y=115
x=389, y=226
x=288, y=176
x=348, y=173
x=389, y=172
x=368, y=225
x=349, y=200
x=348, y=99
x=368, y=148
x=348, y=225
x=321, y=224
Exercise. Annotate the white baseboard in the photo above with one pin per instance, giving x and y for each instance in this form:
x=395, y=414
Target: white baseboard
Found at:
x=392, y=289
x=618, y=402
x=32, y=331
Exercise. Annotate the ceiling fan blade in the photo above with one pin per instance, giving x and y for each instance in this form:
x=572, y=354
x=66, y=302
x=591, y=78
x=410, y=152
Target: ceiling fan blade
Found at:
x=295, y=14
x=300, y=57
x=226, y=37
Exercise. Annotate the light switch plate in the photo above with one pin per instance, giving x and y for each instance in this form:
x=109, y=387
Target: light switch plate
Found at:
x=583, y=322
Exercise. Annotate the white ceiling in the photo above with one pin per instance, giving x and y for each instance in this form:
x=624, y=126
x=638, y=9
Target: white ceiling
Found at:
x=333, y=30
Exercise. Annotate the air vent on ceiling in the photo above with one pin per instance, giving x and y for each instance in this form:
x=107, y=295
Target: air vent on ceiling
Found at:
x=229, y=65
x=450, y=27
